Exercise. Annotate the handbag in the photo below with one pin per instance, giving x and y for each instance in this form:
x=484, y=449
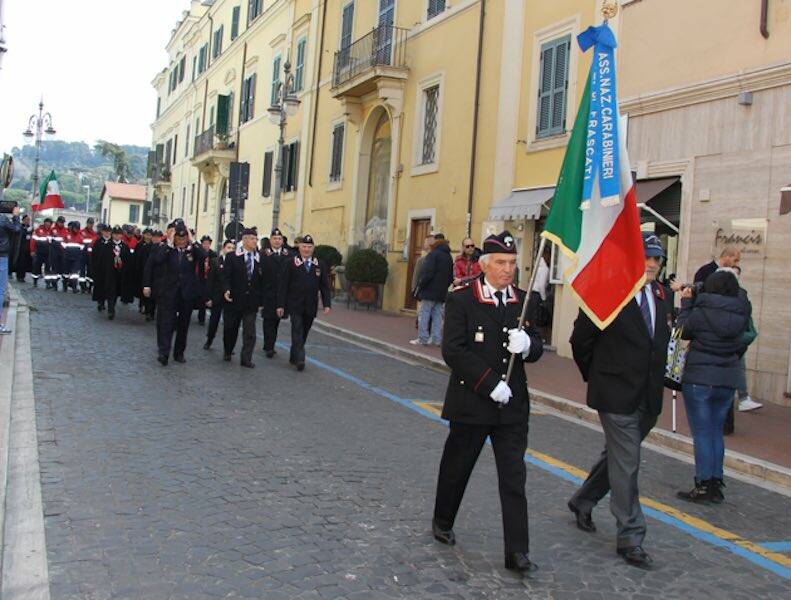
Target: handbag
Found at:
x=677, y=350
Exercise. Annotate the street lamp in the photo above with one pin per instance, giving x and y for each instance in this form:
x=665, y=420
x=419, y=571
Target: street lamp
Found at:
x=286, y=105
x=87, y=189
x=38, y=126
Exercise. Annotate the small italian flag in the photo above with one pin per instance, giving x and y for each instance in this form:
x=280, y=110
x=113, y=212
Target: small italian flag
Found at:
x=50, y=192
x=600, y=237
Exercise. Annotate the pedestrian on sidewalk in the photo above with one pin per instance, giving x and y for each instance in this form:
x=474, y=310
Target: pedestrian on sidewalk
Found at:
x=110, y=259
x=624, y=366
x=436, y=275
x=466, y=268
x=10, y=227
x=481, y=334
x=243, y=291
x=715, y=321
x=303, y=280
x=215, y=301
x=24, y=260
x=746, y=403
x=274, y=259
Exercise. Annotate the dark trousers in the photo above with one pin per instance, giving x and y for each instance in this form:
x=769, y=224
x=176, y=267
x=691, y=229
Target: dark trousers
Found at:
x=617, y=469
x=214, y=322
x=232, y=320
x=270, y=333
x=72, y=270
x=462, y=449
x=202, y=315
x=41, y=260
x=300, y=327
x=173, y=315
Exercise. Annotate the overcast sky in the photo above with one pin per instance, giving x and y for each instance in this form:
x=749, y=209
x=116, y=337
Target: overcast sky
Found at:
x=93, y=60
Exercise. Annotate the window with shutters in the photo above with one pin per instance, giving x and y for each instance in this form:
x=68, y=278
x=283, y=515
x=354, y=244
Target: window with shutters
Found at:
x=168, y=149
x=435, y=7
x=192, y=199
x=347, y=30
x=182, y=67
x=217, y=46
x=254, y=8
x=202, y=58
x=290, y=166
x=183, y=202
x=206, y=198
x=159, y=105
x=175, y=144
x=187, y=142
x=266, y=191
x=275, y=80
x=430, y=114
x=336, y=157
x=553, y=87
x=134, y=213
x=299, y=69
x=235, y=22
x=247, y=107
x=194, y=67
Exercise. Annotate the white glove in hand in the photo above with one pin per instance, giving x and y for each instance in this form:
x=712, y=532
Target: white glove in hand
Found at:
x=502, y=393
x=518, y=341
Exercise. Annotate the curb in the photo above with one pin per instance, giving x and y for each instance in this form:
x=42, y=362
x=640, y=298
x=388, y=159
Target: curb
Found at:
x=761, y=470
x=7, y=364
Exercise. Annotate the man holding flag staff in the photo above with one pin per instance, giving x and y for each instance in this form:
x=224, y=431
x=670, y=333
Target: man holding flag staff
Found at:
x=482, y=331
x=620, y=338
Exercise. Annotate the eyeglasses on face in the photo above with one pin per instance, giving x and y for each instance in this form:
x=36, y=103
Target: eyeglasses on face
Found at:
x=469, y=245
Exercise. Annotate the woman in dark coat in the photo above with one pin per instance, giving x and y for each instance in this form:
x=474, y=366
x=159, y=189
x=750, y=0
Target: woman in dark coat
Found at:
x=715, y=322
x=110, y=262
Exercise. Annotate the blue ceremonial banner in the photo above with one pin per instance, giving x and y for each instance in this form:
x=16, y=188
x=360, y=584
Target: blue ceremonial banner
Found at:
x=601, y=151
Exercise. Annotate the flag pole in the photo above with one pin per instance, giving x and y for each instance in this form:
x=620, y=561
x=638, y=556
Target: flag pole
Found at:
x=523, y=316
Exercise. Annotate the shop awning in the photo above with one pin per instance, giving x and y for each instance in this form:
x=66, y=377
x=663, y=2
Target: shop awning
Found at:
x=521, y=205
x=648, y=189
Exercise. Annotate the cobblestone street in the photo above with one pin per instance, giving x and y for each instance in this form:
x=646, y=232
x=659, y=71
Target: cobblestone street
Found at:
x=209, y=480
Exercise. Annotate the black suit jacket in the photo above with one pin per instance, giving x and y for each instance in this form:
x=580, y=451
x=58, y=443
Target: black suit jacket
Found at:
x=622, y=364
x=273, y=265
x=474, y=347
x=247, y=293
x=299, y=290
x=175, y=273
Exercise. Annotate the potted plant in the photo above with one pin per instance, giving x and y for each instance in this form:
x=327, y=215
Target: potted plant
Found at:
x=222, y=141
x=330, y=256
x=366, y=270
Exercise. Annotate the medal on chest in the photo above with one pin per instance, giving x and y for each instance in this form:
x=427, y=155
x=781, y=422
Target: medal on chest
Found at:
x=479, y=337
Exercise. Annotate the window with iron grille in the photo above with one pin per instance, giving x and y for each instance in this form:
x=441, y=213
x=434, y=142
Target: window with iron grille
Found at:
x=435, y=7
x=336, y=162
x=275, y=80
x=553, y=87
x=217, y=49
x=299, y=71
x=430, y=108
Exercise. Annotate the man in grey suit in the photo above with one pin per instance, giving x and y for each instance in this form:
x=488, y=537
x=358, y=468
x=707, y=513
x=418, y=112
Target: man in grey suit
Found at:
x=624, y=366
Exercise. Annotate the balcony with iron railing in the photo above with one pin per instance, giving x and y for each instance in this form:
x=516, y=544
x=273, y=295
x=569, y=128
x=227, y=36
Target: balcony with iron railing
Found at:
x=211, y=155
x=375, y=60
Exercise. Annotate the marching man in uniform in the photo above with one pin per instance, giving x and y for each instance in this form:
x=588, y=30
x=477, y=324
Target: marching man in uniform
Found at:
x=302, y=280
x=39, y=250
x=89, y=237
x=481, y=333
x=277, y=255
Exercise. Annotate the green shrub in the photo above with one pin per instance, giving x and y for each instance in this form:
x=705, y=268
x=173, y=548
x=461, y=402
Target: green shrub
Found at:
x=329, y=255
x=366, y=266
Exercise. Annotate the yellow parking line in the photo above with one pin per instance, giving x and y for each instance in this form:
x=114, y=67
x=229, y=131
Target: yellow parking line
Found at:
x=690, y=520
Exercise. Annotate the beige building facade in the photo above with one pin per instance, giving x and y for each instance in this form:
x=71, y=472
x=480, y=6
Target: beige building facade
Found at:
x=122, y=204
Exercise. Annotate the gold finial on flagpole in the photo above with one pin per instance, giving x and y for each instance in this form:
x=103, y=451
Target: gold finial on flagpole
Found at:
x=609, y=10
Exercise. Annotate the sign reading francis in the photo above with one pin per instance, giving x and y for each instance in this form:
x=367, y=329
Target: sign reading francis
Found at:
x=748, y=235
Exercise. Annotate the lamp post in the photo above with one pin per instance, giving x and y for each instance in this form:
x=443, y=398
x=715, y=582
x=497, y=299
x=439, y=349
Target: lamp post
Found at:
x=37, y=126
x=87, y=189
x=286, y=104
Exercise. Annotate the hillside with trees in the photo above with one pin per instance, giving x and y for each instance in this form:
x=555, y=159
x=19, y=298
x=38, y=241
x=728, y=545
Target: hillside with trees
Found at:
x=77, y=164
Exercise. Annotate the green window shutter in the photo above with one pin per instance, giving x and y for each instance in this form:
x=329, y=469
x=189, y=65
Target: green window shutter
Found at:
x=560, y=82
x=553, y=87
x=544, y=117
x=284, y=172
x=243, y=104
x=299, y=73
x=175, y=144
x=251, y=97
x=223, y=106
x=235, y=22
x=268, y=160
x=275, y=79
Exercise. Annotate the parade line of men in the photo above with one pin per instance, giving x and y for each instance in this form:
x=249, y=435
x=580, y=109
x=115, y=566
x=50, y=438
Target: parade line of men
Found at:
x=171, y=275
x=483, y=333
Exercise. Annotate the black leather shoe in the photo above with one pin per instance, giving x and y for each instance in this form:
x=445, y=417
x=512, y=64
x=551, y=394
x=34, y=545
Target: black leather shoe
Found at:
x=163, y=360
x=636, y=556
x=445, y=536
x=520, y=562
x=584, y=520
x=179, y=358
x=249, y=365
x=300, y=366
x=207, y=345
x=226, y=357
x=270, y=353
x=111, y=316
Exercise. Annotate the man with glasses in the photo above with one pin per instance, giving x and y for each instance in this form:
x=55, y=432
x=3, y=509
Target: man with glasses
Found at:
x=466, y=268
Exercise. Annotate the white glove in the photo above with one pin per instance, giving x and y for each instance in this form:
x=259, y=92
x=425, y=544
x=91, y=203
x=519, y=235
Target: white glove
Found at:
x=502, y=393
x=518, y=341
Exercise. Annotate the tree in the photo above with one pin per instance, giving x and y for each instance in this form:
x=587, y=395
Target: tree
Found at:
x=120, y=159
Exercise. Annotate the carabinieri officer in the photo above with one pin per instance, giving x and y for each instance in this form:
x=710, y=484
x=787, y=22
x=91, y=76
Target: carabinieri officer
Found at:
x=481, y=332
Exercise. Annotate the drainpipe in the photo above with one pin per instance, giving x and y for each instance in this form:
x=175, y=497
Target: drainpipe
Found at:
x=318, y=90
x=765, y=18
x=476, y=110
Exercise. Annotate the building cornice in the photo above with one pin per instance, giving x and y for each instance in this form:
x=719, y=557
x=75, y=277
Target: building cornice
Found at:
x=727, y=86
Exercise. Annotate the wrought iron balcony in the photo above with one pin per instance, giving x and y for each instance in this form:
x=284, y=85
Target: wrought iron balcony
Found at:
x=378, y=54
x=211, y=159
x=204, y=142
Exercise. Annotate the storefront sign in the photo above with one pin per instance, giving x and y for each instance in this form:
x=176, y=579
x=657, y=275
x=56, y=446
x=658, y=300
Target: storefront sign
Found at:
x=748, y=235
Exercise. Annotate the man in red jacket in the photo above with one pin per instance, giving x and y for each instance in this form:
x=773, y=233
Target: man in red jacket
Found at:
x=89, y=236
x=466, y=268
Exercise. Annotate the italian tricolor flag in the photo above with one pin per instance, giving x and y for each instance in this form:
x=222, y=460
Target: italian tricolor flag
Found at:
x=50, y=192
x=601, y=239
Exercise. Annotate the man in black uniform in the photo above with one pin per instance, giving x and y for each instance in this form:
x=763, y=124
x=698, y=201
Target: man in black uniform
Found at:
x=175, y=280
x=481, y=333
x=24, y=261
x=214, y=286
x=276, y=257
x=147, y=276
x=203, y=275
x=243, y=290
x=302, y=280
x=109, y=259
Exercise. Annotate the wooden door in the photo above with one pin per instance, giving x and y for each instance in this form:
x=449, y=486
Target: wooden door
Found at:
x=418, y=230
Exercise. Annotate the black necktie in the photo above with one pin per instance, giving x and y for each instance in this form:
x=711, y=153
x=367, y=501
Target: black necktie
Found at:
x=501, y=303
x=645, y=310
x=249, y=265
